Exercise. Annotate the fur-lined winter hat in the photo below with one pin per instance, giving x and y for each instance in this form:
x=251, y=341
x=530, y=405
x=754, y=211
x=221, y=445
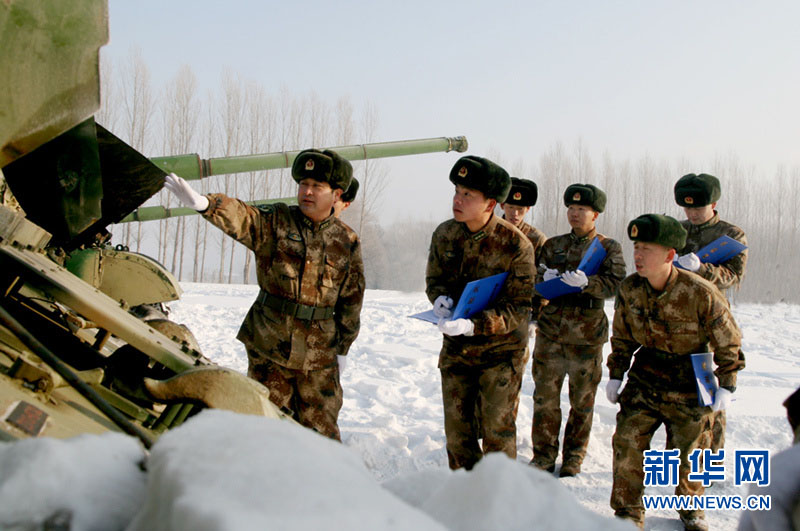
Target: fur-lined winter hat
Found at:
x=658, y=228
x=349, y=195
x=697, y=190
x=323, y=166
x=523, y=192
x=585, y=194
x=483, y=175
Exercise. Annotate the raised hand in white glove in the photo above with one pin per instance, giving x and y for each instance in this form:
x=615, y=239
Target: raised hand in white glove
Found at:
x=442, y=306
x=456, y=327
x=722, y=400
x=612, y=390
x=185, y=193
x=576, y=279
x=342, y=360
x=550, y=274
x=689, y=262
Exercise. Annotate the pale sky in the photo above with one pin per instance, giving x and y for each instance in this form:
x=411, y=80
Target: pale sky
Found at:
x=669, y=79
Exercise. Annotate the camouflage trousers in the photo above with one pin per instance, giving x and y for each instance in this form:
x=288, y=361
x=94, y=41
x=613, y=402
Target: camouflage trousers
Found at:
x=718, y=431
x=642, y=412
x=494, y=389
x=552, y=362
x=313, y=397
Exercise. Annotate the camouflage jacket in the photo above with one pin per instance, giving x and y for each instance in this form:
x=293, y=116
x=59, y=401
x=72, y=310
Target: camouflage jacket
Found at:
x=579, y=319
x=688, y=316
x=316, y=264
x=537, y=238
x=727, y=274
x=458, y=256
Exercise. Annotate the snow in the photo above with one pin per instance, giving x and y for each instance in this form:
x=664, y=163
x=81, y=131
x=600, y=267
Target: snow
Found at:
x=226, y=471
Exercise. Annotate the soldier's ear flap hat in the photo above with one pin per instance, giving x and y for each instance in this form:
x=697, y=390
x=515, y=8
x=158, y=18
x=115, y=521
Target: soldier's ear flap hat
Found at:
x=657, y=228
x=585, y=194
x=697, y=190
x=523, y=192
x=349, y=195
x=323, y=166
x=483, y=175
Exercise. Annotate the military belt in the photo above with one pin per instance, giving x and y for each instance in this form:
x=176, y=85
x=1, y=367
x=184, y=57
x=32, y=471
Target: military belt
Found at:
x=579, y=302
x=294, y=309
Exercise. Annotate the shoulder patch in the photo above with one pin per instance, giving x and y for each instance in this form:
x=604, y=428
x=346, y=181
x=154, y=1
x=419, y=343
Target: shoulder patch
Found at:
x=294, y=237
x=266, y=209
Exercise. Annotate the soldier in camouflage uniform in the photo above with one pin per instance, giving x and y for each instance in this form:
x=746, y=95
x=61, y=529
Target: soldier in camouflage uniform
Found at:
x=698, y=195
x=663, y=315
x=571, y=331
x=311, y=277
x=520, y=200
x=482, y=358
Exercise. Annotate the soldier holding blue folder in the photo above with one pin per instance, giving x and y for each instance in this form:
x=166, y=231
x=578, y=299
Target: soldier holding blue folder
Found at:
x=483, y=357
x=662, y=316
x=571, y=331
x=698, y=195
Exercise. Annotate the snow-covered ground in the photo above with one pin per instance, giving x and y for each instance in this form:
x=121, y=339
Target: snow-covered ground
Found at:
x=392, y=429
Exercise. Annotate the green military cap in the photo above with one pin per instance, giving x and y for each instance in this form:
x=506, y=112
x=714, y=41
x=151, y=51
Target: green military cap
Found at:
x=483, y=175
x=523, y=192
x=697, y=190
x=585, y=194
x=658, y=228
x=349, y=195
x=324, y=166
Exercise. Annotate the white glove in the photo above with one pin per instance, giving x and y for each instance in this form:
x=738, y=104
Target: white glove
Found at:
x=690, y=262
x=456, y=327
x=612, y=390
x=722, y=400
x=576, y=279
x=550, y=274
x=442, y=305
x=185, y=193
x=342, y=360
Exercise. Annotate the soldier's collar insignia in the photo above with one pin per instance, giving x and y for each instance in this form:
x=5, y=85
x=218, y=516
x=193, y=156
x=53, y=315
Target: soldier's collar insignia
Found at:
x=462, y=172
x=517, y=196
x=689, y=200
x=634, y=231
x=478, y=236
x=577, y=196
x=325, y=223
x=307, y=222
x=295, y=237
x=309, y=164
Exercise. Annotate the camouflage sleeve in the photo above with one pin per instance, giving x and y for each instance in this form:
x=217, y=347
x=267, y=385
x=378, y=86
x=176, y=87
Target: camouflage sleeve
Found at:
x=347, y=315
x=604, y=284
x=512, y=306
x=623, y=345
x=727, y=274
x=725, y=338
x=434, y=275
x=246, y=224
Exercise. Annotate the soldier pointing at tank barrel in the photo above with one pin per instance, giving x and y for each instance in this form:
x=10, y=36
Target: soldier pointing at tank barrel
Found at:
x=311, y=276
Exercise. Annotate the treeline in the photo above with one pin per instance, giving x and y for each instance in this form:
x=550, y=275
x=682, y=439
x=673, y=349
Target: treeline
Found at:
x=243, y=118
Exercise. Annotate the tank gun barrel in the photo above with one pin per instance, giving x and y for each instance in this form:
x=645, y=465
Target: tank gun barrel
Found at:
x=192, y=167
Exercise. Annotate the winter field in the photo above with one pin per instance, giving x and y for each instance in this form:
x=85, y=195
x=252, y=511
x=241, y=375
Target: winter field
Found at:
x=210, y=474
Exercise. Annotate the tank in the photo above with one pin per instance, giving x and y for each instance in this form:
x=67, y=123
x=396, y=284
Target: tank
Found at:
x=85, y=345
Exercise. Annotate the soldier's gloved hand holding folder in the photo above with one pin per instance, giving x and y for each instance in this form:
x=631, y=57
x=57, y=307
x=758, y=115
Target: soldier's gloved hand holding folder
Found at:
x=477, y=295
x=720, y=250
x=573, y=281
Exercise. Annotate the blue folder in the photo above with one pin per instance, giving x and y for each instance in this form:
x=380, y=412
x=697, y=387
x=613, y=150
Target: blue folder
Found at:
x=589, y=264
x=720, y=250
x=704, y=378
x=477, y=295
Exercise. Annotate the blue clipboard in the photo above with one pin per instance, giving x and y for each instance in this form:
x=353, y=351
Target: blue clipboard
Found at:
x=477, y=295
x=703, y=365
x=589, y=264
x=719, y=251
